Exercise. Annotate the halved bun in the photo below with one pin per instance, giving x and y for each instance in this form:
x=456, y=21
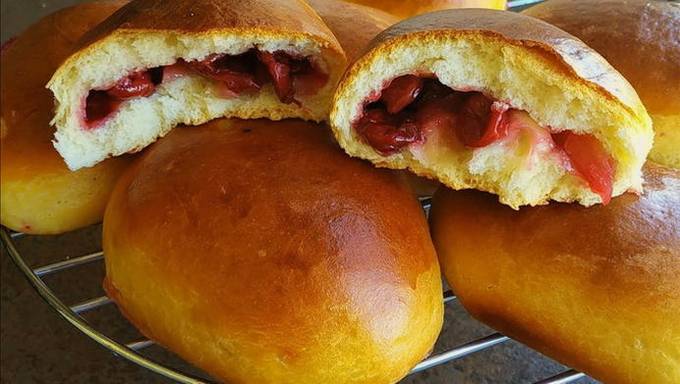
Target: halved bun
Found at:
x=156, y=63
x=554, y=95
x=260, y=252
x=408, y=8
x=644, y=46
x=595, y=288
x=38, y=194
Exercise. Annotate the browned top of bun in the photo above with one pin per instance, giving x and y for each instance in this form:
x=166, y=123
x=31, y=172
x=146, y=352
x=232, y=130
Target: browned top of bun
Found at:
x=569, y=53
x=278, y=244
x=595, y=288
x=408, y=8
x=640, y=38
x=26, y=66
x=354, y=25
x=295, y=17
x=249, y=155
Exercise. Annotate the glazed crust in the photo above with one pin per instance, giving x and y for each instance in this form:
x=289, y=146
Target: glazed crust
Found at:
x=354, y=25
x=569, y=53
x=405, y=8
x=595, y=288
x=270, y=17
x=261, y=253
x=33, y=174
x=644, y=46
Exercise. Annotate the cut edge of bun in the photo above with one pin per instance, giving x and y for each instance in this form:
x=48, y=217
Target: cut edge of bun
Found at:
x=530, y=78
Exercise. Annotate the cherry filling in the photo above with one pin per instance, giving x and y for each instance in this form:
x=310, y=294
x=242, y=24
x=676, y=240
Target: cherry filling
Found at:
x=240, y=74
x=234, y=75
x=411, y=106
x=102, y=103
x=590, y=160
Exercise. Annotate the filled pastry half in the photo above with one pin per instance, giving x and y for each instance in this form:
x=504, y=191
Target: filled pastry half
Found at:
x=155, y=64
x=495, y=101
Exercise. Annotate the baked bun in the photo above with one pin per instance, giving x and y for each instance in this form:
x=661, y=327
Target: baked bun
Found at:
x=644, y=46
x=597, y=289
x=261, y=253
x=38, y=194
x=353, y=25
x=408, y=8
x=495, y=101
x=158, y=63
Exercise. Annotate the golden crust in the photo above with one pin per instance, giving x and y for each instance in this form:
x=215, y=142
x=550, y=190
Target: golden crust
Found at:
x=258, y=251
x=353, y=25
x=644, y=46
x=292, y=18
x=582, y=63
x=595, y=288
x=405, y=9
x=39, y=194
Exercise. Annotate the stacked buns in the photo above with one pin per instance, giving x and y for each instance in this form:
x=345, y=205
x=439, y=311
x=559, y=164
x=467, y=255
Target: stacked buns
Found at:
x=595, y=288
x=277, y=258
x=256, y=250
x=40, y=195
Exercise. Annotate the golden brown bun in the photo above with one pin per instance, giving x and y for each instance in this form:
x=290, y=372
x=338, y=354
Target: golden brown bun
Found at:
x=261, y=253
x=644, y=46
x=353, y=25
x=407, y=8
x=595, y=288
x=39, y=194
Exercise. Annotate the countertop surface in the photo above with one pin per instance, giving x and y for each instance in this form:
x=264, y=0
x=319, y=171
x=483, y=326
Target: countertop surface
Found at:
x=38, y=346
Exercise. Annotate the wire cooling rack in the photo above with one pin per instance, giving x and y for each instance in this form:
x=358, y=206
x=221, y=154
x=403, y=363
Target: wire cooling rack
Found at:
x=133, y=349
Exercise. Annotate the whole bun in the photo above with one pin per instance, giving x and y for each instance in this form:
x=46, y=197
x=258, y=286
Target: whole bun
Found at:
x=353, y=25
x=259, y=252
x=595, y=288
x=38, y=193
x=641, y=39
x=407, y=8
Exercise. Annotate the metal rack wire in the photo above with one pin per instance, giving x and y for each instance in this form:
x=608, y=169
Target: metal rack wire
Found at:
x=132, y=350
